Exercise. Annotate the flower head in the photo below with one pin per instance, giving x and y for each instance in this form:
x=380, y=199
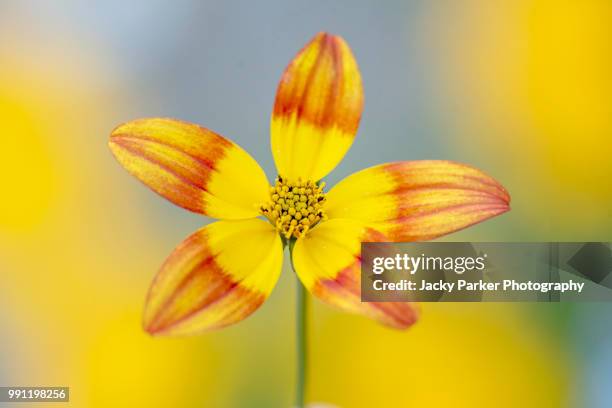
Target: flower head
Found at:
x=223, y=272
x=295, y=206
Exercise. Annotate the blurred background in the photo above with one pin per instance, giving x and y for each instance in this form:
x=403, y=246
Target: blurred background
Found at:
x=520, y=89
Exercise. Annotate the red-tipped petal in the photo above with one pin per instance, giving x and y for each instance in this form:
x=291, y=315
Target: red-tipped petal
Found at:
x=328, y=262
x=191, y=166
x=317, y=109
x=216, y=277
x=418, y=200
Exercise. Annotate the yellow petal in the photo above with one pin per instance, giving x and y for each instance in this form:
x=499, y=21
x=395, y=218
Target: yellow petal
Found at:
x=420, y=200
x=191, y=166
x=317, y=109
x=328, y=262
x=218, y=276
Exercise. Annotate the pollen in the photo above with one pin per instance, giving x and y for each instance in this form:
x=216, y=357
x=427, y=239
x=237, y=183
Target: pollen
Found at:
x=294, y=206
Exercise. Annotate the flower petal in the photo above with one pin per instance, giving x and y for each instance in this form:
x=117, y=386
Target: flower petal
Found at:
x=328, y=262
x=191, y=166
x=218, y=276
x=317, y=109
x=419, y=200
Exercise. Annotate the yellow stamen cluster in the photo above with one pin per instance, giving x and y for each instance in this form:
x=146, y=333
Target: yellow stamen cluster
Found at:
x=295, y=206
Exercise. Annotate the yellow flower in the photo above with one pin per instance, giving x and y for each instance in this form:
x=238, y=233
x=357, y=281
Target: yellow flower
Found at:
x=225, y=271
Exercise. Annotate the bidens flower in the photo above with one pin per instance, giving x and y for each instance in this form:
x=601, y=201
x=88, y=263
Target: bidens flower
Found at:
x=225, y=271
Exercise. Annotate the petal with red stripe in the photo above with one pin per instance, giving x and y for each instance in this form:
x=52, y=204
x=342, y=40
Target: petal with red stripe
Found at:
x=317, y=109
x=216, y=277
x=191, y=166
x=418, y=200
x=328, y=262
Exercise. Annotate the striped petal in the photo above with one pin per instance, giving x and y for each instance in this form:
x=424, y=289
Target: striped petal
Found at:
x=420, y=200
x=328, y=262
x=191, y=166
x=317, y=109
x=216, y=277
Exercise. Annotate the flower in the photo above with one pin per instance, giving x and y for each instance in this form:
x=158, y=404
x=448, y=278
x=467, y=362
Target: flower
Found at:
x=226, y=270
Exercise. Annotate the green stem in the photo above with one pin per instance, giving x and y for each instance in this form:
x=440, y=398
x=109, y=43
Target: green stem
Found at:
x=301, y=337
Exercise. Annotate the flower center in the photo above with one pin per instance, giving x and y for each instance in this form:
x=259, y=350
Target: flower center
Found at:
x=294, y=206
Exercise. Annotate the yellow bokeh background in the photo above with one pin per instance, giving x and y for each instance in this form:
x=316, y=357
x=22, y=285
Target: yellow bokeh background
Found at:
x=527, y=83
x=524, y=88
